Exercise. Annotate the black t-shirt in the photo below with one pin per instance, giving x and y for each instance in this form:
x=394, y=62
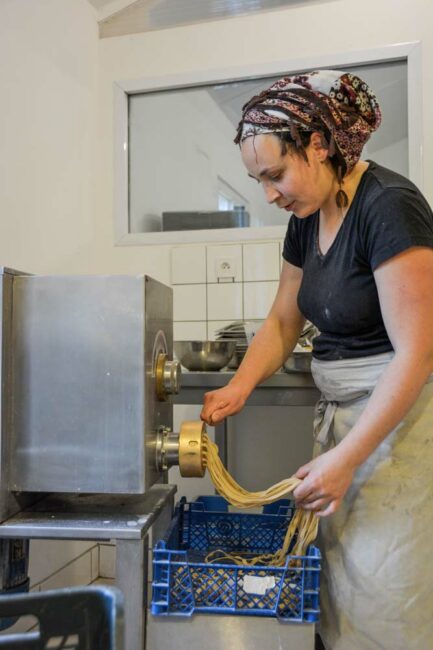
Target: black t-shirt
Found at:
x=338, y=292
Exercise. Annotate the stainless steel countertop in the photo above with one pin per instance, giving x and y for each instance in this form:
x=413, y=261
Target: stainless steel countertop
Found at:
x=281, y=389
x=222, y=377
x=96, y=517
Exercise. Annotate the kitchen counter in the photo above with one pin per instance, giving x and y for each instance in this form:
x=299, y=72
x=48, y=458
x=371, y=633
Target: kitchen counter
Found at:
x=281, y=389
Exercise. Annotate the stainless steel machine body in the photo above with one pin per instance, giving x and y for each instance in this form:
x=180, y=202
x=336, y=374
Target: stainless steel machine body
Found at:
x=86, y=377
x=84, y=361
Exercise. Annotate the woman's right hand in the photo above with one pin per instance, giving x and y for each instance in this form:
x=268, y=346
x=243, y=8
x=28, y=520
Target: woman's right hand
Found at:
x=218, y=404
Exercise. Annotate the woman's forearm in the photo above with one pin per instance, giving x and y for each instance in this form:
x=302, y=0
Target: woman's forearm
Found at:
x=394, y=395
x=266, y=354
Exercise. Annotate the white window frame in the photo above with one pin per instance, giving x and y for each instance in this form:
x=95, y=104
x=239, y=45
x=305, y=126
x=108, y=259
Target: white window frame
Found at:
x=409, y=52
x=230, y=194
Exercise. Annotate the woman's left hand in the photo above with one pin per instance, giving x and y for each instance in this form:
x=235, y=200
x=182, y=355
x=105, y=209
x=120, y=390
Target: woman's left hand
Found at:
x=326, y=479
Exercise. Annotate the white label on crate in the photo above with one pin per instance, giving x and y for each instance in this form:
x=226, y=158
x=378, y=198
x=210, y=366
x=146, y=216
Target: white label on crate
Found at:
x=258, y=585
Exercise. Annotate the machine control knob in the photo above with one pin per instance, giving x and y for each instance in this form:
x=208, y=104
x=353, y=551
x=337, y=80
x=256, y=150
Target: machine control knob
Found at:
x=168, y=374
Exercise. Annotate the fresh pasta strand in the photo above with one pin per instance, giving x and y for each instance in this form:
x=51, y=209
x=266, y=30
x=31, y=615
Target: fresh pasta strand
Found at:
x=304, y=523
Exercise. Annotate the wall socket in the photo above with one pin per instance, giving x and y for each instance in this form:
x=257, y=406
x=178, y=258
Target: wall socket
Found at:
x=225, y=269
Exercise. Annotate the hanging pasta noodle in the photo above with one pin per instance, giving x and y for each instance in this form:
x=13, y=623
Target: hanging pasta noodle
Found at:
x=304, y=524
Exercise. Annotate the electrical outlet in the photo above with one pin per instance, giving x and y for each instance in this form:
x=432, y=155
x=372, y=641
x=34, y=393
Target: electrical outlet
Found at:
x=225, y=268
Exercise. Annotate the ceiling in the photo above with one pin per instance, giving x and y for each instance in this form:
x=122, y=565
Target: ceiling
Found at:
x=119, y=17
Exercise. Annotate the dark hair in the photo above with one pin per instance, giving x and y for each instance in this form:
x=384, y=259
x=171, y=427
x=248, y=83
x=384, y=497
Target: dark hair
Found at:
x=287, y=143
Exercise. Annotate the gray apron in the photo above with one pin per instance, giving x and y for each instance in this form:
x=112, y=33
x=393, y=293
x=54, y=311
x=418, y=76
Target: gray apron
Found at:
x=377, y=578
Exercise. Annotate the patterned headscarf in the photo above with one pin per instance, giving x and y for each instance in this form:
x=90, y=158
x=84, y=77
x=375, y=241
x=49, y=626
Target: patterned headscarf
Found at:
x=338, y=104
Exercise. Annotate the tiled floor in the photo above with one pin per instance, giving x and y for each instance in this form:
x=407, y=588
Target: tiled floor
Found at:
x=110, y=582
x=50, y=559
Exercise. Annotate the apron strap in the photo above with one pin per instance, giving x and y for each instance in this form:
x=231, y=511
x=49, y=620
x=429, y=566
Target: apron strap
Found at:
x=324, y=413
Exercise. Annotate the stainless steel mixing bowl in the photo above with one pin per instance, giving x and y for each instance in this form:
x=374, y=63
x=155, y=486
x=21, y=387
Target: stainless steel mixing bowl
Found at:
x=298, y=362
x=204, y=355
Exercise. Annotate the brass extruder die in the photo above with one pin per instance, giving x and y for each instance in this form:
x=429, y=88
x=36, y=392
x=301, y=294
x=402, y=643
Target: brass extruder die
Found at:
x=192, y=449
x=186, y=449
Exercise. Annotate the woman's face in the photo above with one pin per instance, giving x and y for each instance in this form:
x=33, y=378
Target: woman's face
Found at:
x=288, y=180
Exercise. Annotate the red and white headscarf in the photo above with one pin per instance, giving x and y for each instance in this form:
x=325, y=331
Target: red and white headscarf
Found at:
x=338, y=104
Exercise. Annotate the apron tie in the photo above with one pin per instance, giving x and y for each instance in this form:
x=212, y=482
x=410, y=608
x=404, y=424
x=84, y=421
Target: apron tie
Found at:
x=324, y=413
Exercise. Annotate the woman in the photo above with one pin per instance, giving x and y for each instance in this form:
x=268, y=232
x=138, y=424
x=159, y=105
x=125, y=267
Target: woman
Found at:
x=358, y=263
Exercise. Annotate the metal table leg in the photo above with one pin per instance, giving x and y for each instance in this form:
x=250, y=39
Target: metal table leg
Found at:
x=131, y=578
x=162, y=523
x=101, y=518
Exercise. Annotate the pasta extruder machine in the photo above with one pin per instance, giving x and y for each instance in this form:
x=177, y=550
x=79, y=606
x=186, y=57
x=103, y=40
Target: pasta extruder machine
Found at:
x=87, y=375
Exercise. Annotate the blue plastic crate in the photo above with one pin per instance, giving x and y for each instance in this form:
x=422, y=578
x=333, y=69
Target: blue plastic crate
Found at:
x=183, y=583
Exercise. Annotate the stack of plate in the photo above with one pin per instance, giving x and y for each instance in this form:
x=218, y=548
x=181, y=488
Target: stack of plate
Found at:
x=234, y=332
x=300, y=359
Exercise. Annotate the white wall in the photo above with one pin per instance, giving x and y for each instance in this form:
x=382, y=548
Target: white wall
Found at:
x=48, y=83
x=48, y=103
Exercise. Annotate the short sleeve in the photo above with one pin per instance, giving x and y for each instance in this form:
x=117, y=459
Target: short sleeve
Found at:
x=397, y=219
x=292, y=249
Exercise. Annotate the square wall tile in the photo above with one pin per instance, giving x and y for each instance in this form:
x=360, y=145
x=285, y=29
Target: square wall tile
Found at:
x=190, y=331
x=224, y=263
x=47, y=556
x=78, y=572
x=261, y=262
x=214, y=325
x=188, y=265
x=224, y=301
x=189, y=302
x=258, y=299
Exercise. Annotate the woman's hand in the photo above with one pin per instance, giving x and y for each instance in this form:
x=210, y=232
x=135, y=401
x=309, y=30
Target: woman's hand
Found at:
x=326, y=480
x=218, y=404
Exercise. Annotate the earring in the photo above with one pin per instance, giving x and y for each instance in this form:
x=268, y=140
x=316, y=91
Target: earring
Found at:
x=341, y=198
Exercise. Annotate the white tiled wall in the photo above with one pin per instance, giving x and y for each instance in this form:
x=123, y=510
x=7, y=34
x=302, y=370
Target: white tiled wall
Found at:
x=214, y=325
x=230, y=255
x=218, y=284
x=224, y=301
x=258, y=299
x=54, y=564
x=189, y=331
x=261, y=262
x=189, y=302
